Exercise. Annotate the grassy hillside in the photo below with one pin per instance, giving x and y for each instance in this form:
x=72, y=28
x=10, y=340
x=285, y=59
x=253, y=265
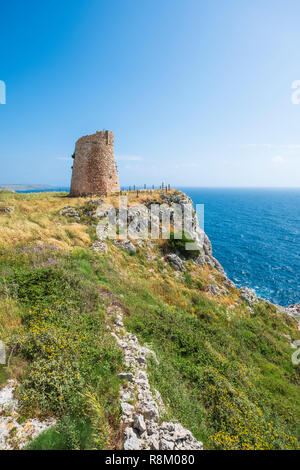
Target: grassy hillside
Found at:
x=223, y=372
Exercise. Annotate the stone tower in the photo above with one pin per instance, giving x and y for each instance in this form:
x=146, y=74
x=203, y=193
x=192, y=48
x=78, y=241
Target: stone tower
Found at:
x=94, y=169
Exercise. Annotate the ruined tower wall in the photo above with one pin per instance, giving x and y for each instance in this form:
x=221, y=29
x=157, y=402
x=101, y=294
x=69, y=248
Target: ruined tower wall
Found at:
x=94, y=169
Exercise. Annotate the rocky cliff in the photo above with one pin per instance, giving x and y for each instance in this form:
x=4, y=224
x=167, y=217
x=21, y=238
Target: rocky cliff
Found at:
x=135, y=343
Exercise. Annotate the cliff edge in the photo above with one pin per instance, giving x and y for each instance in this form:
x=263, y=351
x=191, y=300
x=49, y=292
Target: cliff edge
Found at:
x=135, y=343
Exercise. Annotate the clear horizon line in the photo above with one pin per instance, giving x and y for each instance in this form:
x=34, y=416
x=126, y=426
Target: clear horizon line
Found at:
x=149, y=186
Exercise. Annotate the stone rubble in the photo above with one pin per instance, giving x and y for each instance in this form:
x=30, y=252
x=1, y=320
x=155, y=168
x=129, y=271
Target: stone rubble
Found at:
x=103, y=210
x=99, y=246
x=15, y=435
x=215, y=290
x=68, y=211
x=142, y=409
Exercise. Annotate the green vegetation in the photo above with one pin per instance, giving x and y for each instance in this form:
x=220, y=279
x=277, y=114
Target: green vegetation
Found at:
x=65, y=344
x=228, y=378
x=68, y=434
x=224, y=373
x=177, y=242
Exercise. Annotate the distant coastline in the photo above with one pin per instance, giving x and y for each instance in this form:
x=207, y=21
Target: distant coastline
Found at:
x=24, y=188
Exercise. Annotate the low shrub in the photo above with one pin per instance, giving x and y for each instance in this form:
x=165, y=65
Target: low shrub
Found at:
x=177, y=243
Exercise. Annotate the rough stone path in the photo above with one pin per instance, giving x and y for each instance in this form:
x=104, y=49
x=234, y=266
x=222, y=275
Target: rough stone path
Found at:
x=141, y=410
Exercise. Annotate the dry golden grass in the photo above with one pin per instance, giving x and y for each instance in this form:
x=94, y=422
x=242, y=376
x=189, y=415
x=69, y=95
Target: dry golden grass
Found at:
x=36, y=220
x=134, y=198
x=227, y=300
x=163, y=285
x=9, y=315
x=159, y=279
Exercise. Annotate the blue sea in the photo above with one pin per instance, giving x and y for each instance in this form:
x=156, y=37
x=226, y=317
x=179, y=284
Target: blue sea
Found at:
x=255, y=234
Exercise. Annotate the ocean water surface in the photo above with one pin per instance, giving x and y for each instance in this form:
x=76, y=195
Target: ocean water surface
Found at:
x=255, y=234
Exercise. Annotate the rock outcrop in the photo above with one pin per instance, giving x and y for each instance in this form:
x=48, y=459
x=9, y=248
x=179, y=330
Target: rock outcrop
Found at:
x=176, y=262
x=126, y=245
x=292, y=310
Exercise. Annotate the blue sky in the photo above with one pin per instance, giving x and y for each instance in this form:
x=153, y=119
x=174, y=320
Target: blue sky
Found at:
x=198, y=93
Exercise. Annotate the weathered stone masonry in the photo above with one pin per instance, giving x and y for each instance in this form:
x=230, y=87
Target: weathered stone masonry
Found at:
x=94, y=169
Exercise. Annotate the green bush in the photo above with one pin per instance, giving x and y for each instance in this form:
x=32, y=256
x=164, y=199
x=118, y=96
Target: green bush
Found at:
x=177, y=243
x=52, y=386
x=188, y=279
x=240, y=423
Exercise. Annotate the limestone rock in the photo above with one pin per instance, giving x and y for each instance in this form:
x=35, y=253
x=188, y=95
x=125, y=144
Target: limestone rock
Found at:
x=139, y=423
x=153, y=442
x=70, y=212
x=291, y=310
x=132, y=442
x=214, y=290
x=166, y=445
x=248, y=295
x=152, y=427
x=150, y=410
x=228, y=283
x=99, y=246
x=176, y=262
x=127, y=409
x=125, y=245
x=200, y=261
x=138, y=220
x=102, y=210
